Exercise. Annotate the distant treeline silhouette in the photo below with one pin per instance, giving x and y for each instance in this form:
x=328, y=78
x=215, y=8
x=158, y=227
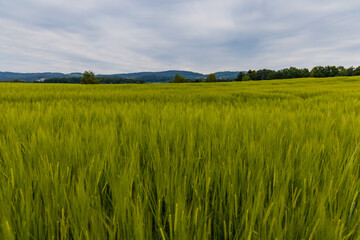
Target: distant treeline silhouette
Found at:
x=262, y=74
x=292, y=72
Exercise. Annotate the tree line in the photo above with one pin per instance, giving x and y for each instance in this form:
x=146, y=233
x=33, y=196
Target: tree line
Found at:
x=286, y=73
x=262, y=74
x=292, y=72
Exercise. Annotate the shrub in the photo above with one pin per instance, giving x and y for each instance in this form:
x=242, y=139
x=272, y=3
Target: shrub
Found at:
x=211, y=78
x=179, y=79
x=89, y=78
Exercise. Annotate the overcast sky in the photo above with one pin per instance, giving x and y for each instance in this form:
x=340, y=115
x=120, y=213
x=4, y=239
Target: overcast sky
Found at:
x=117, y=36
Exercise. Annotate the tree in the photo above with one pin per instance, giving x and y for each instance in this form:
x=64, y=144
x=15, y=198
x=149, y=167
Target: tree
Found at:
x=318, y=71
x=350, y=71
x=179, y=79
x=16, y=80
x=240, y=76
x=252, y=74
x=89, y=78
x=264, y=74
x=331, y=71
x=343, y=71
x=211, y=78
x=357, y=71
x=246, y=78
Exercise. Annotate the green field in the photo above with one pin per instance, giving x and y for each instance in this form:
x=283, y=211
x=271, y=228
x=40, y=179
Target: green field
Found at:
x=244, y=160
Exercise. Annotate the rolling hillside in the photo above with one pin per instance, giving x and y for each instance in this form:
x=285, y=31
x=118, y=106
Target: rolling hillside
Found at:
x=164, y=76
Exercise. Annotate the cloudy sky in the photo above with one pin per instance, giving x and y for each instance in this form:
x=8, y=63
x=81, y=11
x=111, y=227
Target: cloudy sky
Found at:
x=117, y=36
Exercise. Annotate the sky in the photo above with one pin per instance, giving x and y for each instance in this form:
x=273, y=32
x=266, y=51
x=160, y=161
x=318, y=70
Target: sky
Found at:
x=120, y=36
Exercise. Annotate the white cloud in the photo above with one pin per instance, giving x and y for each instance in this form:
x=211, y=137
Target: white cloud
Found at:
x=112, y=36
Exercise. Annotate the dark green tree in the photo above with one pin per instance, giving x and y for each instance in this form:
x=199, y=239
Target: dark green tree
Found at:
x=331, y=71
x=351, y=71
x=89, y=78
x=342, y=71
x=179, y=79
x=318, y=71
x=246, y=78
x=252, y=74
x=240, y=76
x=211, y=78
x=357, y=71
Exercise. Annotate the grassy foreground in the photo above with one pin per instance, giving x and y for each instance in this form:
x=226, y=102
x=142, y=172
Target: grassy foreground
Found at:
x=254, y=160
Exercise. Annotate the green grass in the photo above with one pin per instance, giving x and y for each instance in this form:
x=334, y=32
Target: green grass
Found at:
x=255, y=160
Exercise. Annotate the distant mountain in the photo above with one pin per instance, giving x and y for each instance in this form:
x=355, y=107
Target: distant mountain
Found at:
x=29, y=77
x=226, y=75
x=164, y=76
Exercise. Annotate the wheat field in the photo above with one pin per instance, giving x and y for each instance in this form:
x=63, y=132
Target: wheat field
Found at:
x=243, y=160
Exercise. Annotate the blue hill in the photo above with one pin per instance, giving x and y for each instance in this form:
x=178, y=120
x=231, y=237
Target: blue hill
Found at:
x=164, y=76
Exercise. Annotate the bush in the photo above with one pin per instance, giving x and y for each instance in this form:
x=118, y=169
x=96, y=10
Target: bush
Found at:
x=246, y=78
x=211, y=78
x=89, y=78
x=179, y=79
